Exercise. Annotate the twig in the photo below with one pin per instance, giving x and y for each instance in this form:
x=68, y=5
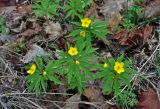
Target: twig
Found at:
x=32, y=102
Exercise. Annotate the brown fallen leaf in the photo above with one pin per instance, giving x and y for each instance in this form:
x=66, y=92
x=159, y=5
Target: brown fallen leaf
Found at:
x=134, y=37
x=93, y=94
x=91, y=10
x=149, y=100
x=112, y=8
x=54, y=30
x=4, y=3
x=127, y=37
x=115, y=19
x=146, y=32
x=153, y=9
x=27, y=34
x=23, y=9
x=70, y=104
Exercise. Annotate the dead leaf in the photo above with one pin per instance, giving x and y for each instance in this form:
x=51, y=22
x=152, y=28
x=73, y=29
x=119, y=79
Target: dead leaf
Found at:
x=115, y=19
x=34, y=51
x=26, y=35
x=70, y=105
x=149, y=100
x=21, y=9
x=147, y=32
x=4, y=3
x=131, y=38
x=111, y=7
x=153, y=9
x=93, y=94
x=54, y=30
x=92, y=10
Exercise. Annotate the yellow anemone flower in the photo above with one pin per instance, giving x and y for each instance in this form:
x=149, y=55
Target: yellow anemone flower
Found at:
x=85, y=22
x=73, y=51
x=32, y=69
x=119, y=67
x=77, y=62
x=82, y=33
x=105, y=65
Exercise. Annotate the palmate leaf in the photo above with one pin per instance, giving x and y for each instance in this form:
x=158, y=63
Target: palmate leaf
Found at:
x=99, y=75
x=100, y=35
x=39, y=63
x=70, y=13
x=89, y=40
x=125, y=80
x=88, y=51
x=45, y=8
x=116, y=86
x=53, y=67
x=76, y=23
x=79, y=80
x=96, y=25
x=74, y=9
x=80, y=44
x=43, y=83
x=34, y=85
x=54, y=79
x=32, y=77
x=45, y=3
x=120, y=58
x=74, y=33
x=37, y=86
x=87, y=2
x=107, y=84
x=71, y=71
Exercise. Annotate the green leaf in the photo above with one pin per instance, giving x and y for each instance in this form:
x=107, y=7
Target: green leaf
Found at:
x=116, y=86
x=120, y=58
x=54, y=79
x=76, y=23
x=107, y=84
x=74, y=33
x=99, y=75
x=125, y=80
x=43, y=84
x=39, y=63
x=37, y=86
x=100, y=24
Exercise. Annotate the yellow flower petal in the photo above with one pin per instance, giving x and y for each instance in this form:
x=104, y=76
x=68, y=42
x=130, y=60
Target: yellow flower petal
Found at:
x=119, y=67
x=30, y=72
x=85, y=22
x=32, y=69
x=73, y=51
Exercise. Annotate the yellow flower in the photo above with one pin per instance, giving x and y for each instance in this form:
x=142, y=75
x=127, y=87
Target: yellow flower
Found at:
x=44, y=73
x=85, y=22
x=105, y=65
x=73, y=51
x=119, y=67
x=82, y=33
x=77, y=62
x=32, y=69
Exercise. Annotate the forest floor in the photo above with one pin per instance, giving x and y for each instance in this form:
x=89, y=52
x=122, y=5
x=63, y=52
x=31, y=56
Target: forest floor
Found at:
x=24, y=36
